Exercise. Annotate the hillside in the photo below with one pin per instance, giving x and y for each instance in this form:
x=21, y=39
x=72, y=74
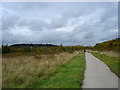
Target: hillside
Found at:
x=32, y=45
x=112, y=45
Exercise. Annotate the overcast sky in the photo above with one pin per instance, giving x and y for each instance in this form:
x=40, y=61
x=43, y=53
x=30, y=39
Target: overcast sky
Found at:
x=68, y=23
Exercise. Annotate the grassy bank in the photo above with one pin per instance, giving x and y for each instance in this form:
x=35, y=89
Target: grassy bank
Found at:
x=112, y=62
x=69, y=75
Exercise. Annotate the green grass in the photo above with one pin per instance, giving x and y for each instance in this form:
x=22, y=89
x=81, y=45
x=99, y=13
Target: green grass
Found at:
x=24, y=70
x=69, y=75
x=112, y=62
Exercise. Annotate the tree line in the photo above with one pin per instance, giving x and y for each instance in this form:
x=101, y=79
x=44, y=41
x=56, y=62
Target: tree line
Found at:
x=112, y=45
x=41, y=50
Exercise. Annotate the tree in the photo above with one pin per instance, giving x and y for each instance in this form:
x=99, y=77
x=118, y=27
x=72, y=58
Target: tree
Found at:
x=61, y=45
x=5, y=49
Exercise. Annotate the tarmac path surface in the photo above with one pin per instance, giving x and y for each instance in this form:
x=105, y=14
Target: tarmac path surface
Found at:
x=98, y=75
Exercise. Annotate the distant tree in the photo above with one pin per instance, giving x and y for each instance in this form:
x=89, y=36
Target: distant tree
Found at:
x=61, y=45
x=5, y=49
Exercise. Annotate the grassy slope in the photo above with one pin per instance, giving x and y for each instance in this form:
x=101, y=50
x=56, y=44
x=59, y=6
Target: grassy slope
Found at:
x=69, y=75
x=112, y=62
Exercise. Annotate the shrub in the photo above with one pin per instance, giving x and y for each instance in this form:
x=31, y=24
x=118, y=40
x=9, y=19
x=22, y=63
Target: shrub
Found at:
x=26, y=49
x=5, y=49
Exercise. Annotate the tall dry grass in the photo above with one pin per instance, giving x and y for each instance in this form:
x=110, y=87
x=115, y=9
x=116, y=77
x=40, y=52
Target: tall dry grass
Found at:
x=22, y=71
x=0, y=71
x=108, y=53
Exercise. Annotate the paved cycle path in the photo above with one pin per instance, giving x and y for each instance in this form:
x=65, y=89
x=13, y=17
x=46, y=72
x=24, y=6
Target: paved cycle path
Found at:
x=98, y=75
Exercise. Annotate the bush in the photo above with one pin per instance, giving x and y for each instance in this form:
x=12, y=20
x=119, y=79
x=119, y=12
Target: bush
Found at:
x=26, y=49
x=5, y=49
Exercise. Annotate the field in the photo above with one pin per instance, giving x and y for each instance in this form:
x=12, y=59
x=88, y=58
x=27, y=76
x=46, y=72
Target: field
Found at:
x=110, y=58
x=52, y=67
x=69, y=75
x=21, y=71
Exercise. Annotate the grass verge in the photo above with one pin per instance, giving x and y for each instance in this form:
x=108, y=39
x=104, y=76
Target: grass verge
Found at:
x=112, y=62
x=69, y=75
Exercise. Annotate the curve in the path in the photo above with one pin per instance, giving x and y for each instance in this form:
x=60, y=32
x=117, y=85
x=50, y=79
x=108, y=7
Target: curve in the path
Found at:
x=98, y=75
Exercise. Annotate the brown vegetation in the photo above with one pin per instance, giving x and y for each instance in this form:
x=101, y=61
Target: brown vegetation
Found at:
x=0, y=71
x=112, y=45
x=23, y=70
x=108, y=53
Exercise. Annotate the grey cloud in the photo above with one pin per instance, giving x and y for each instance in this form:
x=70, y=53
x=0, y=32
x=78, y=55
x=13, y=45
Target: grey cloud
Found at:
x=34, y=24
x=9, y=22
x=67, y=23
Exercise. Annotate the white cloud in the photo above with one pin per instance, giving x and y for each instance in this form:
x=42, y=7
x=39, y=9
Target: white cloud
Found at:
x=22, y=31
x=67, y=23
